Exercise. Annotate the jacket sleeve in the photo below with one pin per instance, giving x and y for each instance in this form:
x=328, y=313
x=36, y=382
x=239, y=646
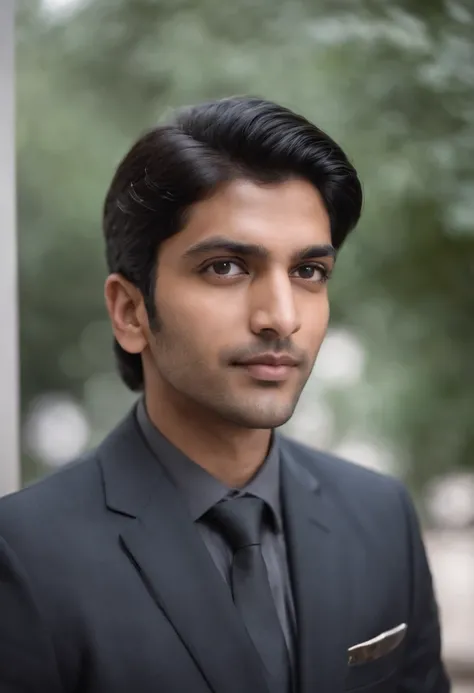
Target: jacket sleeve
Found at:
x=27, y=659
x=424, y=671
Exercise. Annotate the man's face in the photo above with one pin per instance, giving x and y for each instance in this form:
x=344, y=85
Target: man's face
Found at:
x=242, y=303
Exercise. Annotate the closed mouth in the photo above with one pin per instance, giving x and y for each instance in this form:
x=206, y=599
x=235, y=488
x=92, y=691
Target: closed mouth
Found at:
x=274, y=360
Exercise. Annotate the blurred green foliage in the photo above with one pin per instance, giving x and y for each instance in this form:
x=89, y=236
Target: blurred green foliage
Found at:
x=392, y=80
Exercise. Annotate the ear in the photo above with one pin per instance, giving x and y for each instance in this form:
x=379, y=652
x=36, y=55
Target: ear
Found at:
x=127, y=312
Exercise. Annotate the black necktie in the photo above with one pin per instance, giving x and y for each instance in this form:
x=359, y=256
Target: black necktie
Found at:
x=240, y=521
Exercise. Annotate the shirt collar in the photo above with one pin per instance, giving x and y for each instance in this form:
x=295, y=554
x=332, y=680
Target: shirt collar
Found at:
x=200, y=490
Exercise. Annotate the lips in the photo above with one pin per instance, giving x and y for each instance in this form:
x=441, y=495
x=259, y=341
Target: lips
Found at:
x=274, y=360
x=269, y=367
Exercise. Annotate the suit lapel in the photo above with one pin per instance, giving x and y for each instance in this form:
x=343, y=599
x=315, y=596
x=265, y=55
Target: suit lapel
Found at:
x=317, y=554
x=160, y=539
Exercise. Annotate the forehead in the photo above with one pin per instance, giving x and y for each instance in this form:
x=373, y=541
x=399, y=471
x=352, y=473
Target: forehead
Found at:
x=282, y=217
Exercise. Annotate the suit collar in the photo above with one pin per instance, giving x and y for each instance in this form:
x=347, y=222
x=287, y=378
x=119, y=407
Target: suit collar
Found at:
x=130, y=473
x=316, y=541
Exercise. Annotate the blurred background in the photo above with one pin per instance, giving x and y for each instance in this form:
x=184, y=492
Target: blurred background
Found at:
x=393, y=81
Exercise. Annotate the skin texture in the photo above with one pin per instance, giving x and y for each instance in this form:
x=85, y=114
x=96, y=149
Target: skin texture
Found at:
x=218, y=306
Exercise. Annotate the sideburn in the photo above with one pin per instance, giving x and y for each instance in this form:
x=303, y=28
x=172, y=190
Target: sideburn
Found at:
x=149, y=300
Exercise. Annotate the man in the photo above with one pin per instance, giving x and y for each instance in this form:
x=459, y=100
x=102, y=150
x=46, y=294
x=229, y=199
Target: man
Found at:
x=197, y=550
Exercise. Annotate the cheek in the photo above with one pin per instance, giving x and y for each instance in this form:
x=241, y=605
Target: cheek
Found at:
x=315, y=317
x=191, y=300
x=206, y=320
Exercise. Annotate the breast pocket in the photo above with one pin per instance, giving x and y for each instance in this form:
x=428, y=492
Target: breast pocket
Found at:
x=380, y=672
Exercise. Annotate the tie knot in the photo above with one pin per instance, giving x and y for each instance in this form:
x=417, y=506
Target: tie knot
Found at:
x=240, y=519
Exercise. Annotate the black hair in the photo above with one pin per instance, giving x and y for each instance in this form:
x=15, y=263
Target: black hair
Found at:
x=175, y=165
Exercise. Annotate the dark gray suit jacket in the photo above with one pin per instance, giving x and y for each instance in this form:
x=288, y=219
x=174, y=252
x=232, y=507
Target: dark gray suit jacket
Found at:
x=107, y=587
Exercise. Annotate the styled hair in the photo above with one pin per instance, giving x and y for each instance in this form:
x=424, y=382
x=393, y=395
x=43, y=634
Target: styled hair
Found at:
x=173, y=166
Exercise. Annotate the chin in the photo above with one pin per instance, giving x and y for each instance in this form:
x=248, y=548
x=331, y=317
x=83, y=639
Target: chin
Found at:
x=262, y=418
x=268, y=424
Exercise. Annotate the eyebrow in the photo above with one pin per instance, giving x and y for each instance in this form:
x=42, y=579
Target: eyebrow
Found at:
x=220, y=243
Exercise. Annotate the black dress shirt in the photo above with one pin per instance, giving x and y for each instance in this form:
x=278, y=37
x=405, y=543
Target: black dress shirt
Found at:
x=201, y=491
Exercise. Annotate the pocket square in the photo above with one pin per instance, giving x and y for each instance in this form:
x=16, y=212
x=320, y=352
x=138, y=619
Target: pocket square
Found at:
x=377, y=647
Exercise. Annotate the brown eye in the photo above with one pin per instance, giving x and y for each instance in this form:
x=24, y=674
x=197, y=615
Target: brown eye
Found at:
x=307, y=272
x=312, y=272
x=223, y=268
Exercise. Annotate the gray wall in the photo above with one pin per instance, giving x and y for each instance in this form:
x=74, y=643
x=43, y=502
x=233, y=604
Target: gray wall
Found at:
x=9, y=450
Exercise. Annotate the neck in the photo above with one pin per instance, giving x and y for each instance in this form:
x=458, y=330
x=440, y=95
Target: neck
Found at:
x=232, y=454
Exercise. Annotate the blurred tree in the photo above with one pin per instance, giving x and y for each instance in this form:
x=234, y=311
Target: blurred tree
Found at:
x=392, y=80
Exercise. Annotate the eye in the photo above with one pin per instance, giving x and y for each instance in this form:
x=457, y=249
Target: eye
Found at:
x=312, y=272
x=223, y=268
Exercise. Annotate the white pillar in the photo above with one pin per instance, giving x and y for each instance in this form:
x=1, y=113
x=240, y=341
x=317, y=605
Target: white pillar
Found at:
x=9, y=380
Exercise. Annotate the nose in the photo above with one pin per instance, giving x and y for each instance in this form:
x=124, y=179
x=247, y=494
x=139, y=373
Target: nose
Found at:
x=273, y=307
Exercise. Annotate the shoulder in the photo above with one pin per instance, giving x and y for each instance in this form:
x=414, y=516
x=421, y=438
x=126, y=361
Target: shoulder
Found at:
x=46, y=505
x=352, y=488
x=336, y=470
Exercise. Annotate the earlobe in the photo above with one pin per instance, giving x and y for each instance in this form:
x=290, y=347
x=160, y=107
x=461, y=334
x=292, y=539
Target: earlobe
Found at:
x=125, y=307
